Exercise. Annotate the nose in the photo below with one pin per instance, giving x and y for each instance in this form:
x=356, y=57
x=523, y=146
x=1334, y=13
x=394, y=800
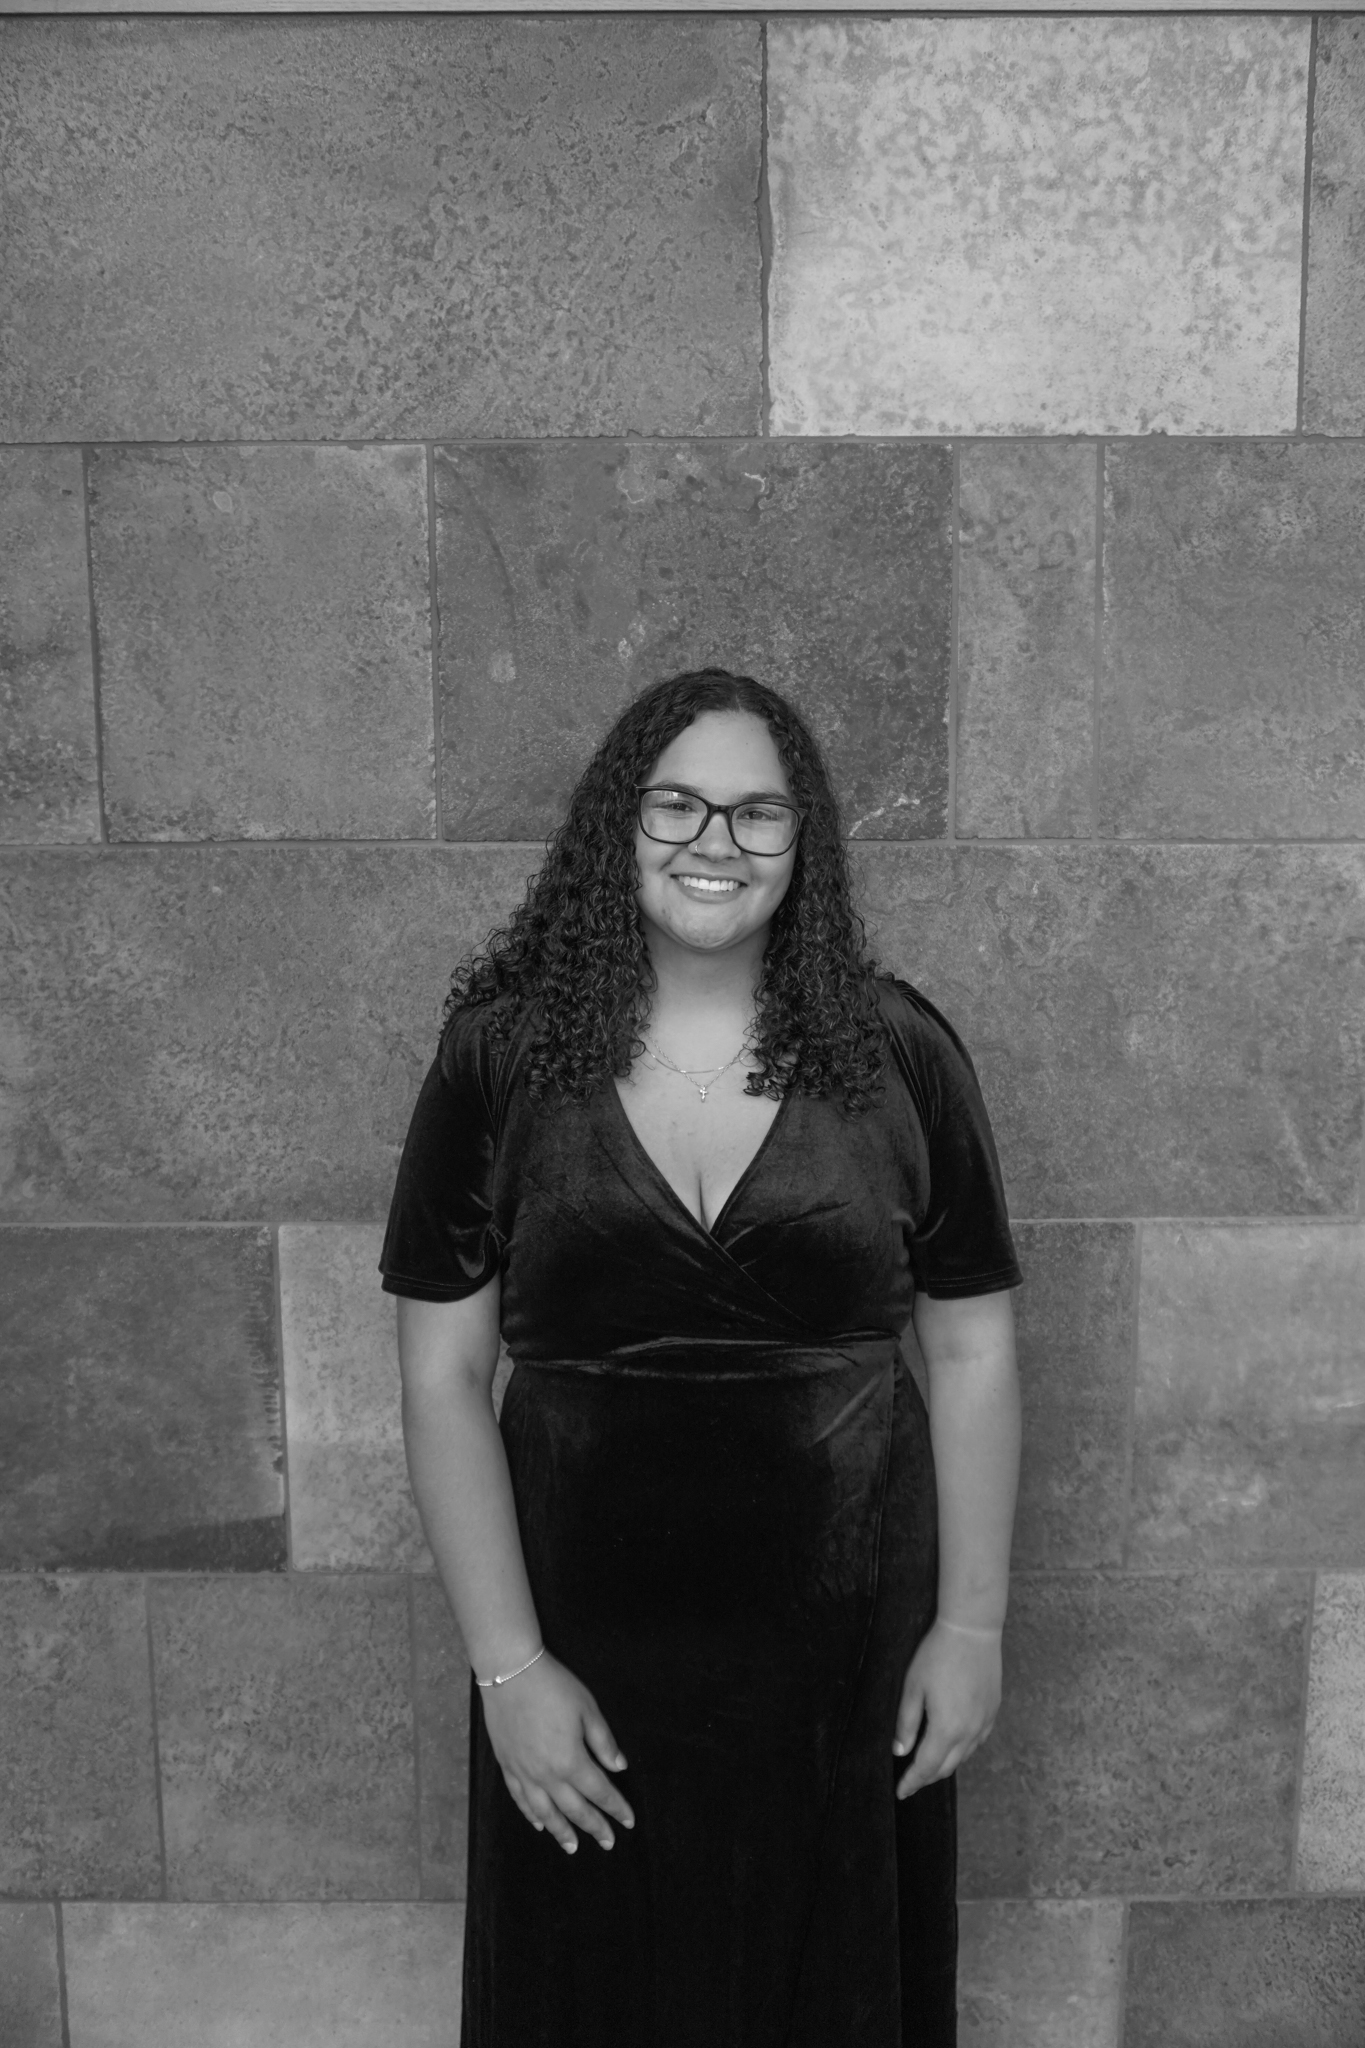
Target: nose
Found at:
x=717, y=842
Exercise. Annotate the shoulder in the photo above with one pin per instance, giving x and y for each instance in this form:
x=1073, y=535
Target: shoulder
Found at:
x=919, y=1033
x=479, y=1050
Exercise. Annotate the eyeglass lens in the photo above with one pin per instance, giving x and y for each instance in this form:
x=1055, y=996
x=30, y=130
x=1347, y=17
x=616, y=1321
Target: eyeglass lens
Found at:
x=675, y=816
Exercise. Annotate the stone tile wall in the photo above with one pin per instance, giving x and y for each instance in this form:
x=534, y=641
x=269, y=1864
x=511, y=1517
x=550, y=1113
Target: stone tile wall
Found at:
x=382, y=401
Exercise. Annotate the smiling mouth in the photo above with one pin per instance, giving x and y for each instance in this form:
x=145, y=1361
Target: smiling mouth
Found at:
x=707, y=886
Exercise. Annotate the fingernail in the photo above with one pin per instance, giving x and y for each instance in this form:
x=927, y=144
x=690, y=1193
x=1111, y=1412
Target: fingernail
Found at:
x=620, y=1763
x=569, y=1848
x=899, y=1748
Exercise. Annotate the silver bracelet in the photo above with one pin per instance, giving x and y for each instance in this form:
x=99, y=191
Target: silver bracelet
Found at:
x=503, y=1677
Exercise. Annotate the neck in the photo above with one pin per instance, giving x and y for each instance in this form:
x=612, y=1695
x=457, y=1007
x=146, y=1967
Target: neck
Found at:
x=715, y=987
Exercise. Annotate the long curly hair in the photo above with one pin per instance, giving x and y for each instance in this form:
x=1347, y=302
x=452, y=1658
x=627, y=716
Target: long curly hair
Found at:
x=574, y=953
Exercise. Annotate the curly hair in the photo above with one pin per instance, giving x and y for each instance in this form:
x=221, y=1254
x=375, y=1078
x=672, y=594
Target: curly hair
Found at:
x=574, y=951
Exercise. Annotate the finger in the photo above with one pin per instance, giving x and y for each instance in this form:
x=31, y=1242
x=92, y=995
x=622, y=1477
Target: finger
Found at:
x=518, y=1792
x=602, y=1742
x=571, y=1802
x=553, y=1820
x=602, y=1793
x=909, y=1721
x=926, y=1767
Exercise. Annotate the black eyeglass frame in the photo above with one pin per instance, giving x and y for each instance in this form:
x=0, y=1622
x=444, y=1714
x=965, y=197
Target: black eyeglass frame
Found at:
x=726, y=811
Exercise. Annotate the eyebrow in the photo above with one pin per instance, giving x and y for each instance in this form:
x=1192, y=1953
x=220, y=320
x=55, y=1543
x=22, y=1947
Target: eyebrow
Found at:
x=772, y=796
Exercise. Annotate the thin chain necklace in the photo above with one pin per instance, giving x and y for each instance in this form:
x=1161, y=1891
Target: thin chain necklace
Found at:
x=686, y=1073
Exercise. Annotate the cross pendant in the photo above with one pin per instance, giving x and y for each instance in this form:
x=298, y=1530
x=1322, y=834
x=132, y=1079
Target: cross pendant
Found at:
x=702, y=1091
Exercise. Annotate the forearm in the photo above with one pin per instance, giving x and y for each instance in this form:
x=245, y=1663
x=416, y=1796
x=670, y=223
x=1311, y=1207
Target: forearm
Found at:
x=974, y=1424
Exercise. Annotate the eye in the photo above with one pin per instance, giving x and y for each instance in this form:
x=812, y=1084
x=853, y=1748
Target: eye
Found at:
x=673, y=800
x=762, y=814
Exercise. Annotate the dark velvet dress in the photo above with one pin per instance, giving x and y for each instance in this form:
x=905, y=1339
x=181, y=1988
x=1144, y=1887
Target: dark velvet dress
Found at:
x=725, y=1494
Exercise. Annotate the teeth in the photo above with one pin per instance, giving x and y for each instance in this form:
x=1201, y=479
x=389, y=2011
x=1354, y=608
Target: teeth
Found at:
x=711, y=888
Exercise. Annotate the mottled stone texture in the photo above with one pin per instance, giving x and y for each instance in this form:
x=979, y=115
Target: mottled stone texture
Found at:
x=1026, y=641
x=570, y=576
x=30, y=1996
x=77, y=1790
x=1231, y=698
x=1147, y=1740
x=1247, y=1973
x=349, y=1499
x=228, y=1032
x=315, y=1976
x=1160, y=1030
x=285, y=1726
x=49, y=780
x=139, y=1400
x=1036, y=227
x=1334, y=362
x=1331, y=1846
x=1250, y=1427
x=1075, y=1320
x=1041, y=1973
x=441, y=1711
x=397, y=229
x=265, y=645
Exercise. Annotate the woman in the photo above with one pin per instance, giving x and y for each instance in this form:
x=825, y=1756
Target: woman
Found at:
x=699, y=1164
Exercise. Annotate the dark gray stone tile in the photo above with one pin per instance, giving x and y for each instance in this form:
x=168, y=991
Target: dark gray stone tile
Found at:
x=265, y=644
x=1075, y=1320
x=1026, y=640
x=441, y=1681
x=401, y=228
x=1334, y=365
x=1246, y=1973
x=228, y=1032
x=1250, y=1420
x=139, y=1400
x=1148, y=1739
x=1040, y=1973
x=572, y=575
x=30, y=1995
x=77, y=1783
x=1234, y=638
x=1160, y=1031
x=49, y=779
x=285, y=1726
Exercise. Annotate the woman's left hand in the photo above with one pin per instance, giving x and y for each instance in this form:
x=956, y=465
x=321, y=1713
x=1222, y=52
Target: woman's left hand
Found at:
x=952, y=1689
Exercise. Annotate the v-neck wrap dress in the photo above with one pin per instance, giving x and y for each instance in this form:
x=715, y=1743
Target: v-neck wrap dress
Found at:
x=725, y=1494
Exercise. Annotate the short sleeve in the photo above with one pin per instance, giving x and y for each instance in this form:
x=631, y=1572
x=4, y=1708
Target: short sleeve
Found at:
x=440, y=1244
x=963, y=1243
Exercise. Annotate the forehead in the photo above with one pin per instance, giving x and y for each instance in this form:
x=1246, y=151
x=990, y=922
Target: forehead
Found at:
x=724, y=754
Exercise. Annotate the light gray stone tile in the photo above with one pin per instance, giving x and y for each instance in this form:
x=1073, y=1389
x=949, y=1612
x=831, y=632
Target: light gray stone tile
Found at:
x=265, y=642
x=49, y=777
x=1246, y=1973
x=1148, y=1738
x=285, y=1730
x=350, y=1503
x=402, y=228
x=1026, y=641
x=573, y=574
x=1037, y=226
x=1160, y=1030
x=30, y=1994
x=1331, y=1846
x=228, y=1031
x=315, y=1976
x=1250, y=1420
x=441, y=1705
x=139, y=1400
x=1040, y=1973
x=1234, y=642
x=77, y=1785
x=1334, y=362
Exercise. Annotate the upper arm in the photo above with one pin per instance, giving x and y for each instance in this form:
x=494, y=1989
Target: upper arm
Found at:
x=965, y=1329
x=450, y=1343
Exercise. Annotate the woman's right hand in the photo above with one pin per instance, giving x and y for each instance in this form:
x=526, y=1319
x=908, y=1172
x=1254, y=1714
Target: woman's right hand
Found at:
x=555, y=1749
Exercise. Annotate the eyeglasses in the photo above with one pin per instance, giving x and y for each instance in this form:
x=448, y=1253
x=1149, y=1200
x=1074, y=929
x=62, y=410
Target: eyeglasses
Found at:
x=675, y=817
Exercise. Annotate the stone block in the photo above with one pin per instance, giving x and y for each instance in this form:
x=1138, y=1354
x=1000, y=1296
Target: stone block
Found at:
x=1147, y=1742
x=1334, y=370
x=573, y=574
x=1026, y=640
x=49, y=774
x=1160, y=1030
x=441, y=1710
x=1234, y=642
x=1042, y=226
x=1331, y=1845
x=1246, y=1973
x=1075, y=1320
x=284, y=1718
x=350, y=1503
x=227, y=1031
x=1250, y=1418
x=1040, y=1973
x=139, y=1400
x=77, y=1780
x=316, y=1976
x=392, y=229
x=30, y=1991
x=265, y=645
